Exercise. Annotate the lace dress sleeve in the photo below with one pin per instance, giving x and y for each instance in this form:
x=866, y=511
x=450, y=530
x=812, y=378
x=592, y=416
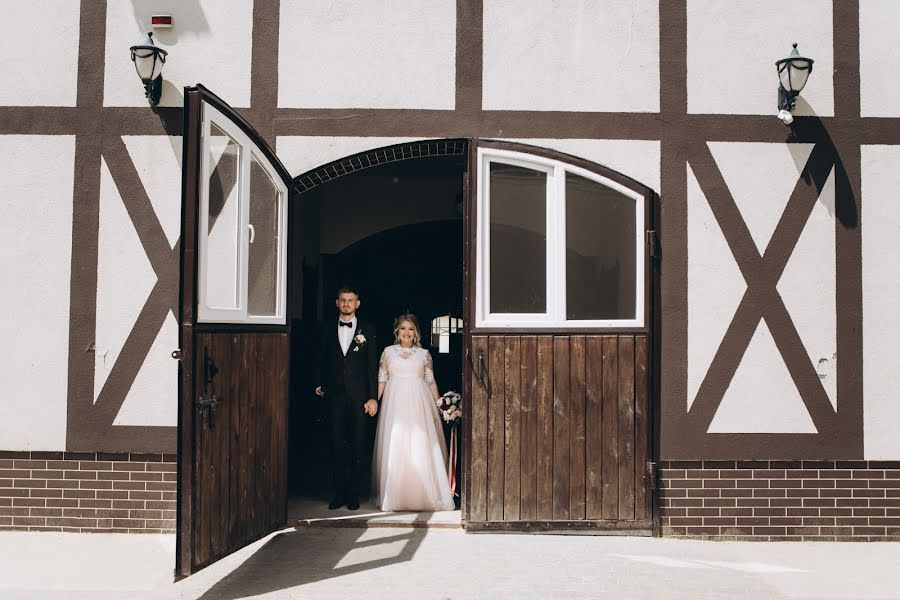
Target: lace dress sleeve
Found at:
x=383, y=367
x=429, y=368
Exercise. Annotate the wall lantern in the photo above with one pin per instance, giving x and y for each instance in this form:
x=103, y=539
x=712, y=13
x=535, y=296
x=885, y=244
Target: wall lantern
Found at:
x=793, y=72
x=148, y=62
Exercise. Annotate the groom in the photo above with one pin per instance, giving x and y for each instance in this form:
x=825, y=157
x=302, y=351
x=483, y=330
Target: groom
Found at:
x=349, y=367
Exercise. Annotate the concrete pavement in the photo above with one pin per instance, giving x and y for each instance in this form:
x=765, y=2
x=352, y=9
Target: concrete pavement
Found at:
x=396, y=563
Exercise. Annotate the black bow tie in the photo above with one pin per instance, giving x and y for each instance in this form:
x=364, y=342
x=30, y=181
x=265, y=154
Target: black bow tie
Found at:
x=345, y=323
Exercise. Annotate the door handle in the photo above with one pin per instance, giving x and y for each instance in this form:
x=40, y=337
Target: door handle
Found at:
x=481, y=374
x=252, y=232
x=210, y=370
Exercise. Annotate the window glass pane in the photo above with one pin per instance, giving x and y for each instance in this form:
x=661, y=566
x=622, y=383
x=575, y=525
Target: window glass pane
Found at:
x=222, y=260
x=265, y=206
x=600, y=251
x=518, y=243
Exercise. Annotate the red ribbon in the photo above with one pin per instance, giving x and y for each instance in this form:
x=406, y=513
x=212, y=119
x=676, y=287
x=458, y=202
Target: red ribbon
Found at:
x=451, y=464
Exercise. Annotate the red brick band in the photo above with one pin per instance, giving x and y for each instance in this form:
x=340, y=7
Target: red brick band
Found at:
x=87, y=492
x=773, y=500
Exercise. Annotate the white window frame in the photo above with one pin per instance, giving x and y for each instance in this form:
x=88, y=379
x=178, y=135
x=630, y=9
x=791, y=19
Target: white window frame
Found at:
x=555, y=315
x=247, y=148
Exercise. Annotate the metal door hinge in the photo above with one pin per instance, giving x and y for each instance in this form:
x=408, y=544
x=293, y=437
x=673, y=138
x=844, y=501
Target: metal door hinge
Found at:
x=651, y=474
x=652, y=243
x=176, y=354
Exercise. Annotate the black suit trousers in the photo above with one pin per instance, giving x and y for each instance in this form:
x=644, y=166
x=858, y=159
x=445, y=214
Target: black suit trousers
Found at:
x=348, y=435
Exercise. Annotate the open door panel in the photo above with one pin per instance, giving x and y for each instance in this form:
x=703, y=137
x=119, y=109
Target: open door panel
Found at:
x=234, y=336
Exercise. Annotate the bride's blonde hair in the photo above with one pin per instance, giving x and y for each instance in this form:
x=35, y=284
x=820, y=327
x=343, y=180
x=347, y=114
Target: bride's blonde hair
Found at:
x=407, y=318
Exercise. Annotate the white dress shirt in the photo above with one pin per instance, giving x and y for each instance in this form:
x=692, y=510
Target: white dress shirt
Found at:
x=345, y=335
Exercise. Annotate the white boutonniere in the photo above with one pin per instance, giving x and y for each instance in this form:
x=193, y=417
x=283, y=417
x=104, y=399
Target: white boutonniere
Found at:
x=360, y=339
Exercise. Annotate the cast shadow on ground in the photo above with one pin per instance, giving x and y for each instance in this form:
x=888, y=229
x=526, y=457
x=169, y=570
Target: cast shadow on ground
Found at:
x=303, y=555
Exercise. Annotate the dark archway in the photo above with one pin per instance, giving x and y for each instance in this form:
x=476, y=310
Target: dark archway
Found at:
x=392, y=227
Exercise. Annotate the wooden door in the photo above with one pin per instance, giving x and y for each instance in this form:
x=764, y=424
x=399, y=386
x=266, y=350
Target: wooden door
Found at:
x=234, y=337
x=559, y=429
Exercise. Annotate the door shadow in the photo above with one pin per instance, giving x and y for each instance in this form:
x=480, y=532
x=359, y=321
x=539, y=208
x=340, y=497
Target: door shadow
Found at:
x=306, y=555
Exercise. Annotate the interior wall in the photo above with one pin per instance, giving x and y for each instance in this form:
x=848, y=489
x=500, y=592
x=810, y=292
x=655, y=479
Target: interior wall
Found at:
x=386, y=197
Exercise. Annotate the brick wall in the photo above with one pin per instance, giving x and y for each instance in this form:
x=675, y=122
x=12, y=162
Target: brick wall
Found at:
x=781, y=500
x=87, y=491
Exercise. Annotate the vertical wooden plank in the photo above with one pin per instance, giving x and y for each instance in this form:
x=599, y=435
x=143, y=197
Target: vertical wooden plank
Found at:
x=260, y=391
x=220, y=354
x=245, y=476
x=200, y=542
x=227, y=360
x=250, y=448
x=576, y=428
x=284, y=359
x=237, y=467
x=512, y=425
x=496, y=428
x=276, y=476
x=641, y=429
x=561, y=454
x=478, y=415
x=528, y=415
x=610, y=496
x=545, y=428
x=269, y=430
x=210, y=506
x=261, y=433
x=593, y=381
x=626, y=427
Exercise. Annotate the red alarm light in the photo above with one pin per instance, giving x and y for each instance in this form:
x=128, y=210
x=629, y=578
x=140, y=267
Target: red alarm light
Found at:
x=161, y=21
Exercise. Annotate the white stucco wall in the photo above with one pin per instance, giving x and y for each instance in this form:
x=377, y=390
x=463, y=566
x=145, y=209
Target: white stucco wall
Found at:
x=36, y=187
x=363, y=54
x=39, y=52
x=542, y=55
x=881, y=299
x=879, y=61
x=576, y=55
x=732, y=48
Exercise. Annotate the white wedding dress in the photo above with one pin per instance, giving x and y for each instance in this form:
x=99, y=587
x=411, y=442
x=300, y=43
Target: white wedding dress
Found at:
x=409, y=465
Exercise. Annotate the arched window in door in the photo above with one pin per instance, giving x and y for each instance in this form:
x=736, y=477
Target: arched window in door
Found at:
x=441, y=329
x=559, y=246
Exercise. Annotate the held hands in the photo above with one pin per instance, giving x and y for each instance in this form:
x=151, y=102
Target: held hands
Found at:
x=370, y=407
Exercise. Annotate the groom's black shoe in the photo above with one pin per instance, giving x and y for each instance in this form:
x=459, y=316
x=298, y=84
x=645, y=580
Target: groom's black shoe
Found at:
x=353, y=503
x=336, y=502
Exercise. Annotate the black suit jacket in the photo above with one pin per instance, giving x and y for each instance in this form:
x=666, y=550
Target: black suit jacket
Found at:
x=355, y=374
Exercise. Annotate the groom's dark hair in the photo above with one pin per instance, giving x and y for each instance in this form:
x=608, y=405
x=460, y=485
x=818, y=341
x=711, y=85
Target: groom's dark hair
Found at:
x=346, y=289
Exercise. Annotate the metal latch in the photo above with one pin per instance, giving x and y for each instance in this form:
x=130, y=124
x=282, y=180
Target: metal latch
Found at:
x=207, y=408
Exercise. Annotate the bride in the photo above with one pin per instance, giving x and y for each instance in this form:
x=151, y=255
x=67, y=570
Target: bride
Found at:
x=409, y=465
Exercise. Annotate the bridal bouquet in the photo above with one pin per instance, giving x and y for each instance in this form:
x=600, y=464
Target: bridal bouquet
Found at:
x=449, y=407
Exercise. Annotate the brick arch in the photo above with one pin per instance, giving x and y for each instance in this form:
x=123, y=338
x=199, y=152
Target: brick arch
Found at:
x=377, y=157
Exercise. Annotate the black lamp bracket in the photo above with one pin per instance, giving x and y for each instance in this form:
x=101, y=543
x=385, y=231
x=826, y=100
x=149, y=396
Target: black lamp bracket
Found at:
x=786, y=100
x=153, y=90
